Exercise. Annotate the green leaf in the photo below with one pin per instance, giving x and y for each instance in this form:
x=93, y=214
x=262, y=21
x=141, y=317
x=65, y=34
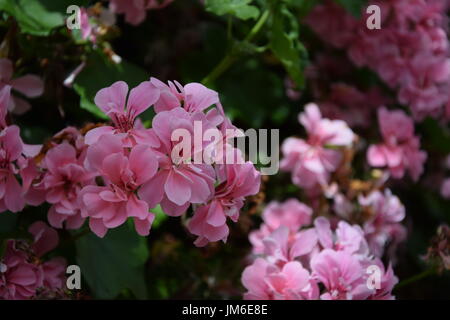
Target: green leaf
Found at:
x=354, y=7
x=238, y=8
x=286, y=48
x=100, y=73
x=38, y=17
x=114, y=263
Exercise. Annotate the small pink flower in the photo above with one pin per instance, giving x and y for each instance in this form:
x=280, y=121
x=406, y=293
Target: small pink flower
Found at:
x=385, y=224
x=264, y=281
x=11, y=193
x=179, y=181
x=291, y=214
x=238, y=181
x=19, y=279
x=29, y=85
x=63, y=182
x=342, y=275
x=309, y=160
x=400, y=149
x=123, y=111
x=193, y=96
x=109, y=206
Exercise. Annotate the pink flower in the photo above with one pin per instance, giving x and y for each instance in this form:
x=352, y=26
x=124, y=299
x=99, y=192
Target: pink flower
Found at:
x=342, y=275
x=179, y=181
x=384, y=226
x=264, y=281
x=193, y=96
x=388, y=281
x=291, y=214
x=11, y=193
x=309, y=160
x=123, y=112
x=19, y=279
x=87, y=31
x=236, y=181
x=63, y=182
x=400, y=149
x=29, y=85
x=21, y=275
x=109, y=206
x=346, y=237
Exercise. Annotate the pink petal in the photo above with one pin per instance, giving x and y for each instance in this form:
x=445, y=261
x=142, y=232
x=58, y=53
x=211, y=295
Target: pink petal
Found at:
x=112, y=99
x=30, y=85
x=141, y=98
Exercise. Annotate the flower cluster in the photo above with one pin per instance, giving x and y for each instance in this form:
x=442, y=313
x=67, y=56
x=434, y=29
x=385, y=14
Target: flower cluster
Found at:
x=329, y=260
x=410, y=52
x=110, y=173
x=23, y=273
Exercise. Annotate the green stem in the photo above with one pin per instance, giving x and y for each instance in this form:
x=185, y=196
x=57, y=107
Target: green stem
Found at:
x=232, y=54
x=416, y=277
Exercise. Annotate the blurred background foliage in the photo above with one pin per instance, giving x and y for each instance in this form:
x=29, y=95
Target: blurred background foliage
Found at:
x=244, y=49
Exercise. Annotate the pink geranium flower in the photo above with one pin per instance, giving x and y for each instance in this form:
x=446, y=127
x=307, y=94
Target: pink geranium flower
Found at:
x=179, y=181
x=193, y=96
x=310, y=161
x=400, y=149
x=236, y=181
x=123, y=111
x=109, y=206
x=384, y=226
x=29, y=85
x=264, y=281
x=11, y=147
x=21, y=275
x=63, y=181
x=342, y=275
x=292, y=214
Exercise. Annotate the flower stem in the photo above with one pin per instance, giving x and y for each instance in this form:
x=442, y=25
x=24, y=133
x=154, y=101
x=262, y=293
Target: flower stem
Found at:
x=416, y=277
x=232, y=54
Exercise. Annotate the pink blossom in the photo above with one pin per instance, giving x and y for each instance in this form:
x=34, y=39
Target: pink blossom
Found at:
x=400, y=149
x=29, y=85
x=384, y=226
x=264, y=281
x=109, y=206
x=11, y=193
x=342, y=275
x=236, y=181
x=310, y=161
x=19, y=279
x=193, y=96
x=123, y=112
x=21, y=275
x=63, y=181
x=292, y=214
x=388, y=281
x=179, y=181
